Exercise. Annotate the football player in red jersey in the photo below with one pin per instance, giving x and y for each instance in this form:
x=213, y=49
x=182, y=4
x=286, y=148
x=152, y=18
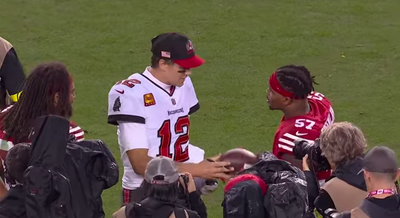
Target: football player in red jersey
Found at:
x=306, y=112
x=49, y=89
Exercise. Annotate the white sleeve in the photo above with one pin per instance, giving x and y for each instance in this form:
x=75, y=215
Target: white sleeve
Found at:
x=132, y=136
x=125, y=104
x=192, y=98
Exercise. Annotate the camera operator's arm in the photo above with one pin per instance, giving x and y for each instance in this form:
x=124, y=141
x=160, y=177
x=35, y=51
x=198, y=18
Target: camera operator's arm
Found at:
x=317, y=198
x=312, y=186
x=196, y=203
x=323, y=202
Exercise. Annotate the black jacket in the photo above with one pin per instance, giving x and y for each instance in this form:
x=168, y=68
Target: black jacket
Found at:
x=286, y=195
x=66, y=180
x=349, y=172
x=388, y=207
x=151, y=208
x=13, y=204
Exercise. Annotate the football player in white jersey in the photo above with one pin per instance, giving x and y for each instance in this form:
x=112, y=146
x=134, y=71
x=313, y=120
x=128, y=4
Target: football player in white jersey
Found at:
x=152, y=109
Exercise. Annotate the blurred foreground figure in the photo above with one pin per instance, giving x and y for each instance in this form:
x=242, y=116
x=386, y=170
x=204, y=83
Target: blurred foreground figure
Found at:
x=11, y=74
x=64, y=178
x=271, y=188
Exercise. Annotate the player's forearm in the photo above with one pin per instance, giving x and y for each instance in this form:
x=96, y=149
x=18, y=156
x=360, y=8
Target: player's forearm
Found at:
x=140, y=166
x=188, y=167
x=138, y=161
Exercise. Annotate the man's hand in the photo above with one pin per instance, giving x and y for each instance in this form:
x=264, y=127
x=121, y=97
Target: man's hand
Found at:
x=305, y=163
x=215, y=170
x=207, y=169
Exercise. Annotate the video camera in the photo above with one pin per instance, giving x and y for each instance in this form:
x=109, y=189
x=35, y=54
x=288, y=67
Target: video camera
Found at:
x=313, y=149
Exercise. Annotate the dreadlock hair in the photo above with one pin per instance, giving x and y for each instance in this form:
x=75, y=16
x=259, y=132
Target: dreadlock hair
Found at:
x=296, y=79
x=37, y=99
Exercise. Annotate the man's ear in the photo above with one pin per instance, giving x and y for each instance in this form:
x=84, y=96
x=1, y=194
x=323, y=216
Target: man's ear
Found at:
x=398, y=175
x=287, y=101
x=56, y=98
x=163, y=64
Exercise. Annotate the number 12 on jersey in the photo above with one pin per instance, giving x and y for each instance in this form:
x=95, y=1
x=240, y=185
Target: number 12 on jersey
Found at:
x=165, y=134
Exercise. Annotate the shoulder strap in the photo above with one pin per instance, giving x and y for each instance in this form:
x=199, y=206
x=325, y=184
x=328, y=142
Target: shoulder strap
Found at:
x=344, y=196
x=358, y=213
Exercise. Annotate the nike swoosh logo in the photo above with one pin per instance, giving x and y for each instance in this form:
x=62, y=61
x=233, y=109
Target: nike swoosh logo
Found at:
x=300, y=134
x=120, y=91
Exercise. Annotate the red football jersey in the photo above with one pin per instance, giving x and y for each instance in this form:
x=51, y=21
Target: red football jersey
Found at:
x=307, y=127
x=7, y=143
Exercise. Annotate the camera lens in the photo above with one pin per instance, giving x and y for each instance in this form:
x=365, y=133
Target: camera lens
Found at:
x=301, y=148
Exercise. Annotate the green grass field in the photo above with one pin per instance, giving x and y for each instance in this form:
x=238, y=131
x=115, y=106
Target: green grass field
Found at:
x=351, y=46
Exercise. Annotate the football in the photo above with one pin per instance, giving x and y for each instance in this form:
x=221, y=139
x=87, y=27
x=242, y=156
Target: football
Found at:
x=239, y=158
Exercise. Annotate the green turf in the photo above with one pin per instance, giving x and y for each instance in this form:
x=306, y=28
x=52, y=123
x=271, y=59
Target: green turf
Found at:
x=243, y=42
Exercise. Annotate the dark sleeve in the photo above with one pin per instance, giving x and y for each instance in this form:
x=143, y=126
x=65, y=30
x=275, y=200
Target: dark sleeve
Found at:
x=324, y=202
x=312, y=188
x=12, y=74
x=245, y=199
x=197, y=204
x=194, y=108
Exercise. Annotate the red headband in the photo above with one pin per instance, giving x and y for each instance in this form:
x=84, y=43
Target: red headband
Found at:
x=276, y=86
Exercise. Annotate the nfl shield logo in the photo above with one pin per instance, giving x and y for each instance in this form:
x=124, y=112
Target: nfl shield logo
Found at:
x=173, y=101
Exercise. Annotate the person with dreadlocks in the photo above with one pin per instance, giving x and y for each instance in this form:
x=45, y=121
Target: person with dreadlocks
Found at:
x=305, y=111
x=49, y=89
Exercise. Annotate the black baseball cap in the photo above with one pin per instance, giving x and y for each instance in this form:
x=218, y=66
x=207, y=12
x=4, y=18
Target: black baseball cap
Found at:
x=178, y=48
x=381, y=159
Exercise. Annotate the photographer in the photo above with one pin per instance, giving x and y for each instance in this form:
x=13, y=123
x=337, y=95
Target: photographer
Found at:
x=343, y=146
x=381, y=173
x=164, y=187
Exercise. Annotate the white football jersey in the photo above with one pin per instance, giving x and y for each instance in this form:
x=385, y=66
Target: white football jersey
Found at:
x=165, y=114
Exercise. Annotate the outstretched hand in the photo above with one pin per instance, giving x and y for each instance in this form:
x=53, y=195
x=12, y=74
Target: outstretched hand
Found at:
x=215, y=170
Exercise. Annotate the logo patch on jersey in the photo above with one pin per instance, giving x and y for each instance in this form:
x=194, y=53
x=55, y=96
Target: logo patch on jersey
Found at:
x=120, y=91
x=301, y=134
x=117, y=105
x=173, y=101
x=149, y=99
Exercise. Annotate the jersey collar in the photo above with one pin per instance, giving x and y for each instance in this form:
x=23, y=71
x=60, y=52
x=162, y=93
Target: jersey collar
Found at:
x=156, y=81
